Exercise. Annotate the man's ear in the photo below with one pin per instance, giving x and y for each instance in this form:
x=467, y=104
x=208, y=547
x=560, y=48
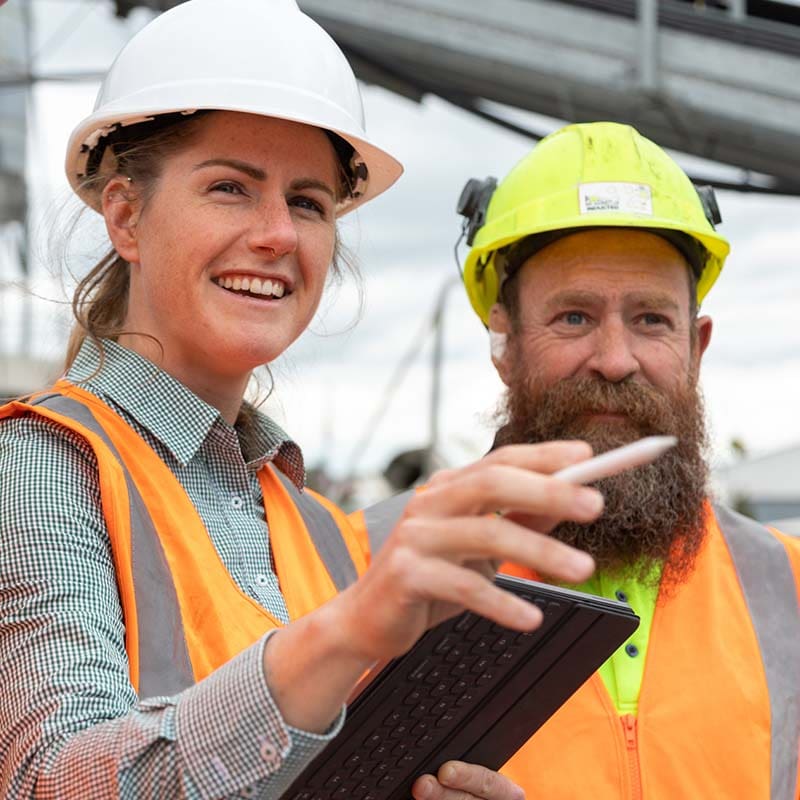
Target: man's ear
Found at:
x=702, y=327
x=499, y=330
x=120, y=204
x=701, y=340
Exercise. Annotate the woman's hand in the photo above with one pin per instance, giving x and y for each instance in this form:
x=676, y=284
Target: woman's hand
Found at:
x=442, y=555
x=456, y=780
x=440, y=558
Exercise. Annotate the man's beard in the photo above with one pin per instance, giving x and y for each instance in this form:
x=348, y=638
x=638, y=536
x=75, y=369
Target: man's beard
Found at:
x=653, y=525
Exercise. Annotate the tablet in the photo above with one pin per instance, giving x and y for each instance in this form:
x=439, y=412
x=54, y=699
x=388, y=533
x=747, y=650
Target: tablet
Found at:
x=470, y=690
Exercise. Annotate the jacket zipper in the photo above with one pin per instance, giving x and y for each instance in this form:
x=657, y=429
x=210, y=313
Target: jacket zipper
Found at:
x=632, y=746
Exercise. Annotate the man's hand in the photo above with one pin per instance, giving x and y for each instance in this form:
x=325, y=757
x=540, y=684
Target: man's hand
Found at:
x=459, y=781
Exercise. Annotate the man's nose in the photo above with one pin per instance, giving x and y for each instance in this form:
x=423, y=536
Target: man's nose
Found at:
x=613, y=358
x=273, y=231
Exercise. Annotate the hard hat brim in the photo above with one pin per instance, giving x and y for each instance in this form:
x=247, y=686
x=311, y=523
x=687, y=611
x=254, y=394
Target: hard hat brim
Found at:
x=285, y=103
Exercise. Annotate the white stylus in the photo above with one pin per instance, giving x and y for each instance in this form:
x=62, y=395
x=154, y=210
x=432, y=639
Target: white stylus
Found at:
x=630, y=455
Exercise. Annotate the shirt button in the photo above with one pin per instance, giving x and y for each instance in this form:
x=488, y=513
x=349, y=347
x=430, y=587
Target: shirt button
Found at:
x=237, y=502
x=262, y=579
x=621, y=596
x=632, y=650
x=269, y=753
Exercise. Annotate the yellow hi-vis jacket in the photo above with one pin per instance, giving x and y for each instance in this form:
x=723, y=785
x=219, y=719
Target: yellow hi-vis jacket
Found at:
x=184, y=614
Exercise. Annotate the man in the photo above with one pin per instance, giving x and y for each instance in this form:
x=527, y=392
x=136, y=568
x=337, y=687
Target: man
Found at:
x=588, y=264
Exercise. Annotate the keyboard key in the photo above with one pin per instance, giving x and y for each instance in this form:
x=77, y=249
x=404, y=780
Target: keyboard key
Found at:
x=481, y=665
x=414, y=697
x=502, y=643
x=401, y=748
x=480, y=647
x=460, y=669
x=381, y=752
x=466, y=699
x=421, y=670
x=486, y=678
x=420, y=728
x=373, y=740
x=435, y=675
x=399, y=731
x=446, y=645
x=421, y=710
x=393, y=719
x=465, y=622
x=505, y=658
x=440, y=708
x=353, y=761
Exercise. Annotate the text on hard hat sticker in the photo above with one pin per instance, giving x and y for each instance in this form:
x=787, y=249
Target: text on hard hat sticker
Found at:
x=622, y=198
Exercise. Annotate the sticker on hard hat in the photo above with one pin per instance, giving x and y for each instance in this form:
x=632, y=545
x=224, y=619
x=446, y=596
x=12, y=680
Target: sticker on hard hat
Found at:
x=622, y=198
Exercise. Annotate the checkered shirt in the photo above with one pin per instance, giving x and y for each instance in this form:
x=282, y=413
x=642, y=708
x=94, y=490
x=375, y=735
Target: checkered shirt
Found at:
x=71, y=724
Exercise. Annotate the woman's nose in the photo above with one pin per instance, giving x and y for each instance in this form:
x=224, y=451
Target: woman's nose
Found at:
x=273, y=230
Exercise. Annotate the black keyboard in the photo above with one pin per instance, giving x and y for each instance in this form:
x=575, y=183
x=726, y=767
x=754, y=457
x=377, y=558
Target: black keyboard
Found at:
x=461, y=679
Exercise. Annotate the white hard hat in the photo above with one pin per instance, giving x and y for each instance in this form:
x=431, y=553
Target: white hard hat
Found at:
x=256, y=56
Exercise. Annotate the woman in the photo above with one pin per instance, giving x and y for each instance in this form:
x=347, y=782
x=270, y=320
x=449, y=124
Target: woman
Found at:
x=177, y=617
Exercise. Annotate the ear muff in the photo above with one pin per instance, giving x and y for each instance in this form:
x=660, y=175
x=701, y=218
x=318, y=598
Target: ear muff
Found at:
x=710, y=206
x=473, y=202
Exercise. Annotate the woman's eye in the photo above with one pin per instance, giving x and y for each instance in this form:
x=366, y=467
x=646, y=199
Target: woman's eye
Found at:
x=227, y=187
x=309, y=204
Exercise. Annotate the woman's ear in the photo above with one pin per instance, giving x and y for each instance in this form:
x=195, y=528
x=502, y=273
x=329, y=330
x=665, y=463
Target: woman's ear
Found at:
x=120, y=204
x=499, y=328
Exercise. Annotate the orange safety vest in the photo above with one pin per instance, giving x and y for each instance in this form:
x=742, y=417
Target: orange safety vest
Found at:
x=184, y=614
x=719, y=705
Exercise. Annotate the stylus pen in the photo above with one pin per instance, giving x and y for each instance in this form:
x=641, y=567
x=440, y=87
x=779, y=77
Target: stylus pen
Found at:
x=614, y=461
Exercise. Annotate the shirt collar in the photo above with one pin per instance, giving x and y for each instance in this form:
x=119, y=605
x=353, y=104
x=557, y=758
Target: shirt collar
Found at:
x=171, y=411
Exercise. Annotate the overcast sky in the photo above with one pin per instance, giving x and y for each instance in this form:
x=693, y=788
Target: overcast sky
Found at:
x=330, y=383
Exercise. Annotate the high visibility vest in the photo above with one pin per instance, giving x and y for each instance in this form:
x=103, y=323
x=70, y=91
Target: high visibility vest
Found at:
x=719, y=706
x=184, y=614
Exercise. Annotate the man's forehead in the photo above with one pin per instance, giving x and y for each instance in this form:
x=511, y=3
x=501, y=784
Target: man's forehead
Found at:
x=608, y=260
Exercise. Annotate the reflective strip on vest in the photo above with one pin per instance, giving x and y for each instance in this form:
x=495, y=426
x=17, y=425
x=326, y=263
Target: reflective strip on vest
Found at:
x=325, y=534
x=164, y=664
x=381, y=518
x=768, y=585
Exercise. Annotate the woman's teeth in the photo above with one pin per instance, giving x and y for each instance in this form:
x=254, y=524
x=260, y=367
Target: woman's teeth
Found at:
x=255, y=286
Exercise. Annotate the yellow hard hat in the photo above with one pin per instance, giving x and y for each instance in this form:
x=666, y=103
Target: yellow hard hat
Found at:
x=593, y=175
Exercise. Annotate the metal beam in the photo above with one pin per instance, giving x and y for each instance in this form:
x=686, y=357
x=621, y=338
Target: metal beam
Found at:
x=713, y=97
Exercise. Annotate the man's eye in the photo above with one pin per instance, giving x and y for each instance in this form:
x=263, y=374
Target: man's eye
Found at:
x=574, y=317
x=653, y=319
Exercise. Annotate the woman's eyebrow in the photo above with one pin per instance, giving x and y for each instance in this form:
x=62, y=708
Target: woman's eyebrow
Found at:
x=312, y=183
x=248, y=169
x=260, y=175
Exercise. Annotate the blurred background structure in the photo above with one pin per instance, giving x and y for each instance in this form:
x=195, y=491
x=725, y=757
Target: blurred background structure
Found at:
x=459, y=88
